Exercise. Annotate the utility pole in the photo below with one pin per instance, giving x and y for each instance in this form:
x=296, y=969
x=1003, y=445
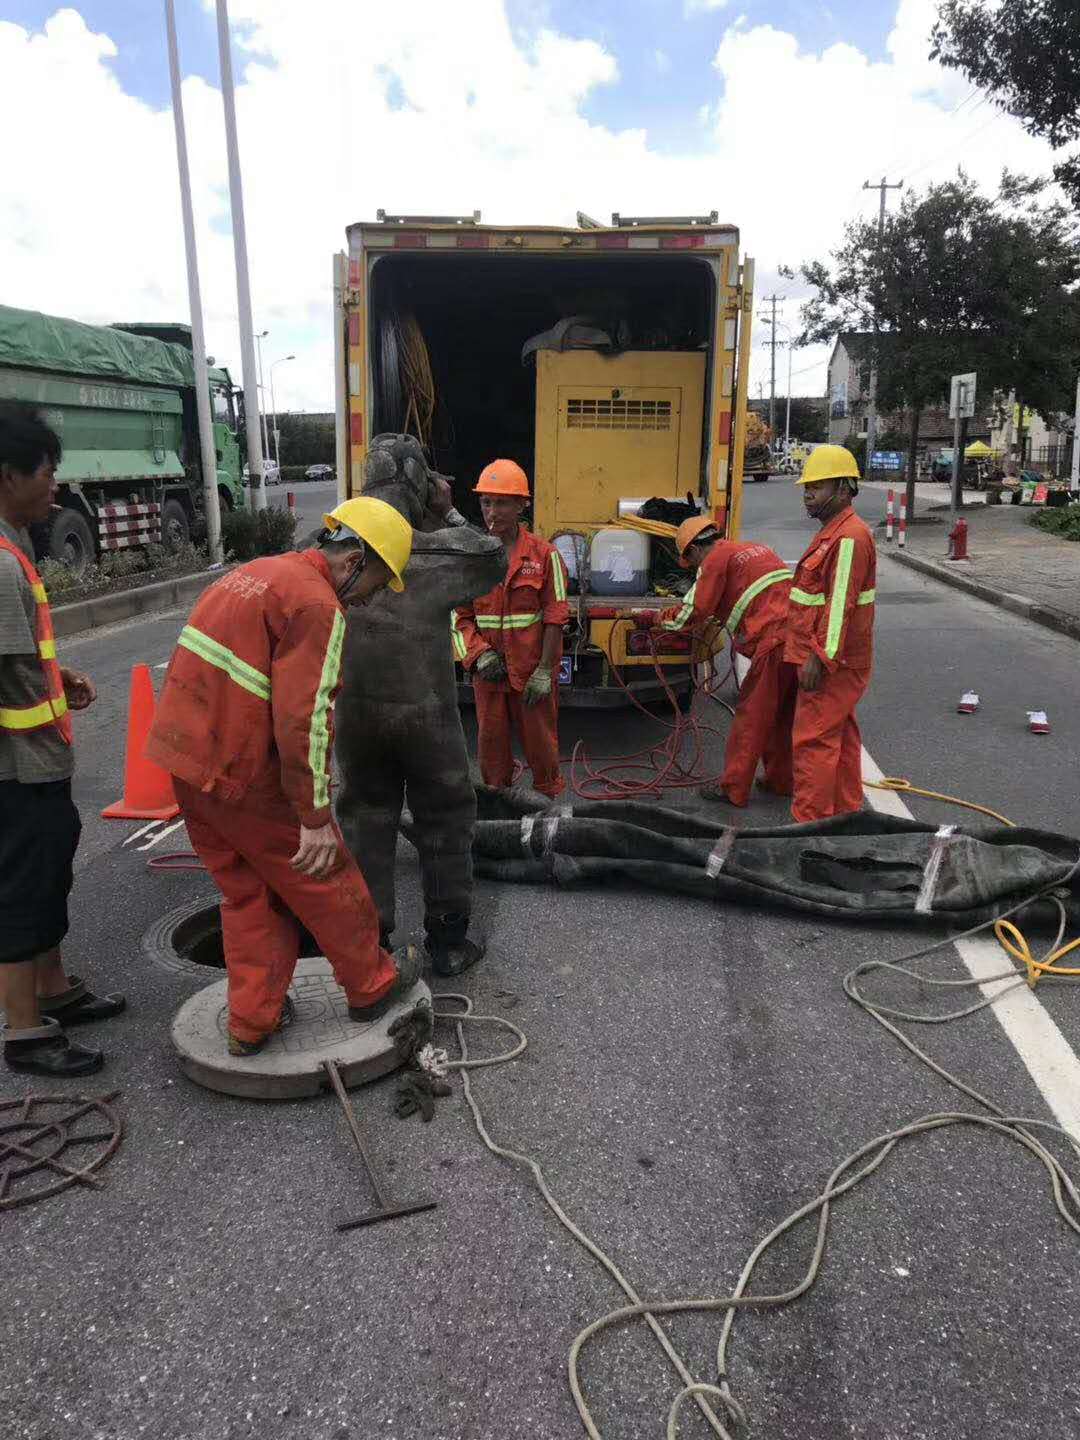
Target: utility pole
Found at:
x=256, y=477
x=772, y=300
x=207, y=450
x=871, y=408
x=1074, y=483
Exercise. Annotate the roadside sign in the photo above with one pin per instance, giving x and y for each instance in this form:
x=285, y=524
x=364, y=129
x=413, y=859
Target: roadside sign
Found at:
x=962, y=397
x=887, y=460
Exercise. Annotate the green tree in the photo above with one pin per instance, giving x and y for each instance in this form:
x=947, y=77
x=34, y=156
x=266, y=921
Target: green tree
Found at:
x=1026, y=55
x=958, y=281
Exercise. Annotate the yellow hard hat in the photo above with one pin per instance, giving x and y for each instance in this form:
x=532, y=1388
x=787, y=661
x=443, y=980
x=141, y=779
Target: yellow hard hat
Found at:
x=829, y=462
x=379, y=525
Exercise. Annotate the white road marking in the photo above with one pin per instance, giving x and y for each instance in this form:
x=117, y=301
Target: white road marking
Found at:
x=168, y=830
x=143, y=830
x=162, y=665
x=1047, y=1056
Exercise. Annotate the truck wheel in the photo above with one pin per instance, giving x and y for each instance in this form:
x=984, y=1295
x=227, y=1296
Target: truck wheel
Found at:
x=175, y=525
x=71, y=541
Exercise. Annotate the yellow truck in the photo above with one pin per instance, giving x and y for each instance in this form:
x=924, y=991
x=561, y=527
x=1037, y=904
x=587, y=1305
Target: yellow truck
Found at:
x=609, y=361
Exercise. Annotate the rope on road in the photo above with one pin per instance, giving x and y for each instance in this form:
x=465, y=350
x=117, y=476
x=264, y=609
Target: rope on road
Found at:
x=851, y=1172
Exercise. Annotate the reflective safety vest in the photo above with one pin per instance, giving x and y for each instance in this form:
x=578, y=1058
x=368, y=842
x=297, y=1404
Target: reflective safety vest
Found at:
x=831, y=611
x=53, y=710
x=510, y=619
x=246, y=711
x=744, y=587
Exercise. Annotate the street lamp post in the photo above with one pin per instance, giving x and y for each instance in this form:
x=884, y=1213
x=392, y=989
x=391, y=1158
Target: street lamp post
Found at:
x=273, y=407
x=259, y=338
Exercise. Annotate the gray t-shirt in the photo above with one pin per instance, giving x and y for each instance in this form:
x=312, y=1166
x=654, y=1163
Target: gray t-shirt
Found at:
x=31, y=756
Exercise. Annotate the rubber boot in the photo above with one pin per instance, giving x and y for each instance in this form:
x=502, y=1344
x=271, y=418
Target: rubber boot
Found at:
x=446, y=941
x=409, y=968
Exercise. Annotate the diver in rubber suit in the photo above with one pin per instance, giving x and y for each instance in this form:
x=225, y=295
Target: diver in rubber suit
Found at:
x=399, y=735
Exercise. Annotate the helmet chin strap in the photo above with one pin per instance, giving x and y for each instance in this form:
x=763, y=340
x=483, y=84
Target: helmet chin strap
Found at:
x=345, y=590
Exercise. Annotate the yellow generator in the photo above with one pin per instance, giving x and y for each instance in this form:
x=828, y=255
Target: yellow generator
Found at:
x=610, y=362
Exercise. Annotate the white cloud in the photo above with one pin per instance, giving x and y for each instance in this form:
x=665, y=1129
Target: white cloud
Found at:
x=703, y=7
x=422, y=107
x=662, y=61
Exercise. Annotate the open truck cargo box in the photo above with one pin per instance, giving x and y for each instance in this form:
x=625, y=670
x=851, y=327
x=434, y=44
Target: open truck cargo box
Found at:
x=608, y=362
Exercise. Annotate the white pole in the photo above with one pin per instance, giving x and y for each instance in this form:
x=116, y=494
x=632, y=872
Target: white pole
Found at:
x=259, y=338
x=207, y=449
x=787, y=418
x=1075, y=482
x=243, y=289
x=341, y=398
x=273, y=407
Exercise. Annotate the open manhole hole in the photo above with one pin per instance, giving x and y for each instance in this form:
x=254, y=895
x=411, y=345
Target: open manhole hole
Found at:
x=189, y=939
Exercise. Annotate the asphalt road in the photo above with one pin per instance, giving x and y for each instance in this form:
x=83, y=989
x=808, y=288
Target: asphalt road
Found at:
x=693, y=1076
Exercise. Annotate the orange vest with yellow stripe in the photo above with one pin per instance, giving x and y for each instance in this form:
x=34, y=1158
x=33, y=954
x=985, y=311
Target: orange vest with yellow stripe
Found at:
x=54, y=709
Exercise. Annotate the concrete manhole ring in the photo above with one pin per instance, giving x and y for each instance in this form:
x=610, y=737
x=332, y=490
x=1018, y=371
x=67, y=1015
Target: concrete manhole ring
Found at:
x=160, y=942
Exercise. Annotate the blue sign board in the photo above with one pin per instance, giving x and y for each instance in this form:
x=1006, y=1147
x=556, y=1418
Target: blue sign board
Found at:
x=887, y=460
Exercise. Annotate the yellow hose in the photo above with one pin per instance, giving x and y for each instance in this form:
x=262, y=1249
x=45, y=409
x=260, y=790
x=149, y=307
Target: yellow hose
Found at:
x=890, y=782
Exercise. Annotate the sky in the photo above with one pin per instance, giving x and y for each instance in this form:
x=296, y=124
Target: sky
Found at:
x=772, y=112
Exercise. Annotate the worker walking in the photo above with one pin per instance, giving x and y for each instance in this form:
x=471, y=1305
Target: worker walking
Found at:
x=744, y=587
x=245, y=726
x=831, y=639
x=511, y=640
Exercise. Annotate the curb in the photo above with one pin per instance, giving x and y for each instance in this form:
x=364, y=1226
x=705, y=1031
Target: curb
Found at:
x=1044, y=615
x=124, y=604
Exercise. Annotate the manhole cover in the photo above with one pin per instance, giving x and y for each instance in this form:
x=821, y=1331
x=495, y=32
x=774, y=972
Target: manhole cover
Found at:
x=291, y=1063
x=51, y=1142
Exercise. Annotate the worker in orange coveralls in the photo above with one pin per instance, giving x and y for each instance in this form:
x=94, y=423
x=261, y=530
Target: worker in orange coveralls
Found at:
x=743, y=587
x=830, y=637
x=245, y=727
x=511, y=640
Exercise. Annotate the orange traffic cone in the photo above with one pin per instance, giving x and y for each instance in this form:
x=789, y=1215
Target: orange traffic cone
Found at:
x=148, y=790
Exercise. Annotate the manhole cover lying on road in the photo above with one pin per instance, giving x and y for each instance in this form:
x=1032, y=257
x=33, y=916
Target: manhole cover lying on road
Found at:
x=48, y=1142
x=291, y=1063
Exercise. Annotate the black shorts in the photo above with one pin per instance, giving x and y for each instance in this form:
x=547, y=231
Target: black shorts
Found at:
x=39, y=834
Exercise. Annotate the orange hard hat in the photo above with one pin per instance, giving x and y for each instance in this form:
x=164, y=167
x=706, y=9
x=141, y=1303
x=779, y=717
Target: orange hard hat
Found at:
x=688, y=532
x=502, y=477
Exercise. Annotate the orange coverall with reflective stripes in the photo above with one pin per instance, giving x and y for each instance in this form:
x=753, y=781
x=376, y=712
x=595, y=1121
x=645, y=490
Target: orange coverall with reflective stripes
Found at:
x=831, y=615
x=510, y=620
x=245, y=725
x=744, y=587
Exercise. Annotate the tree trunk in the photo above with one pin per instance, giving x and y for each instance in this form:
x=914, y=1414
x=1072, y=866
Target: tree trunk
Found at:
x=913, y=461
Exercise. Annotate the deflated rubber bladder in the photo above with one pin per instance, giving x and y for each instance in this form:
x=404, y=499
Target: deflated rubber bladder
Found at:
x=399, y=735
x=859, y=867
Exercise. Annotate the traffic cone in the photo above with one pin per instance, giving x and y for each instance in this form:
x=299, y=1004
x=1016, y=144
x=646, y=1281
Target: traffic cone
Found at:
x=148, y=790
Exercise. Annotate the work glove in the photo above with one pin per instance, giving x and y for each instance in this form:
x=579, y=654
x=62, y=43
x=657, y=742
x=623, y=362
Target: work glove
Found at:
x=538, y=686
x=417, y=1090
x=490, y=667
x=411, y=1031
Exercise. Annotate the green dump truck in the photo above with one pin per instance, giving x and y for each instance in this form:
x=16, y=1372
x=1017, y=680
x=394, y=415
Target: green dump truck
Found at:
x=122, y=399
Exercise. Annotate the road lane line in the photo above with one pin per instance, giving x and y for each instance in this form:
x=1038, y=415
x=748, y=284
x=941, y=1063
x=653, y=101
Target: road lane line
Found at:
x=1047, y=1056
x=161, y=835
x=143, y=830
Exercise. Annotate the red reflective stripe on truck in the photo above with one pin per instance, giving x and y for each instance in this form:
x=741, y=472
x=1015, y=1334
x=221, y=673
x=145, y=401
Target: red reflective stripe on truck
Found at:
x=613, y=242
x=473, y=240
x=356, y=428
x=354, y=273
x=354, y=328
x=681, y=242
x=723, y=428
x=410, y=240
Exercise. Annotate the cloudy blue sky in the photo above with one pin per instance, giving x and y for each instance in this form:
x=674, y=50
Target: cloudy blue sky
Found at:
x=773, y=112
